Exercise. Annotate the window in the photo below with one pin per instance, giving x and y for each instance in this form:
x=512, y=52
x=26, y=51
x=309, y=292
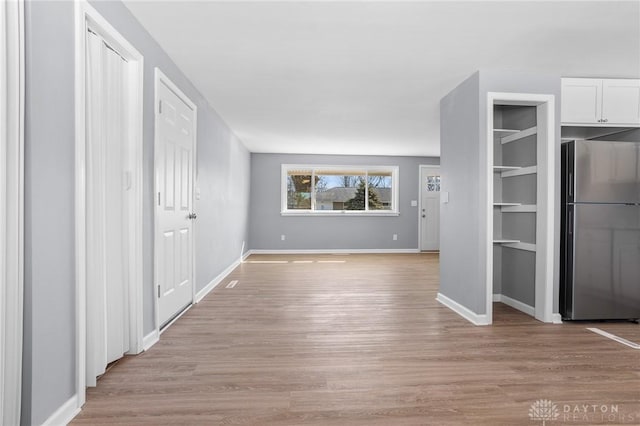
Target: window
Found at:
x=339, y=190
x=433, y=183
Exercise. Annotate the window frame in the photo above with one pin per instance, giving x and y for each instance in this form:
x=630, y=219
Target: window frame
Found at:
x=313, y=168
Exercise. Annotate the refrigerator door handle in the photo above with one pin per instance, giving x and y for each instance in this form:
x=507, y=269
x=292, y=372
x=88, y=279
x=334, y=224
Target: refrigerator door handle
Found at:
x=570, y=222
x=570, y=182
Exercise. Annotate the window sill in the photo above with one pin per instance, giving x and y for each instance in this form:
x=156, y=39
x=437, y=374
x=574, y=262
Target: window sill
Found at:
x=334, y=213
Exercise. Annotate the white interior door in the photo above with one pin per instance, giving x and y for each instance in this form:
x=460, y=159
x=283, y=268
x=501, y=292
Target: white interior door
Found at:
x=175, y=148
x=430, y=208
x=107, y=221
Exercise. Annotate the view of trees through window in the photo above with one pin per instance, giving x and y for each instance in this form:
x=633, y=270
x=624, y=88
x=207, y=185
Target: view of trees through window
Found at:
x=299, y=190
x=358, y=190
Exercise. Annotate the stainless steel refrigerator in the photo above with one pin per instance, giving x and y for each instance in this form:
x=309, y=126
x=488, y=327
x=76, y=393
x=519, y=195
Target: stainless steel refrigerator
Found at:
x=600, y=225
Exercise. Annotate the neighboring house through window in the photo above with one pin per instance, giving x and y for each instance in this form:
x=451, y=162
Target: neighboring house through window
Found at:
x=339, y=189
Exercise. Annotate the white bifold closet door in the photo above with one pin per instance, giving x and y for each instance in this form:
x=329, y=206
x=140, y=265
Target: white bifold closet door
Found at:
x=107, y=286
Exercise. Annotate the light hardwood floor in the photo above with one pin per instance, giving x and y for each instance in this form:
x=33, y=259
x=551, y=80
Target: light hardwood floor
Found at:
x=362, y=343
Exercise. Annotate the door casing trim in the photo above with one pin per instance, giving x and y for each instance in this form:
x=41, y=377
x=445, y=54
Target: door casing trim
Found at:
x=12, y=102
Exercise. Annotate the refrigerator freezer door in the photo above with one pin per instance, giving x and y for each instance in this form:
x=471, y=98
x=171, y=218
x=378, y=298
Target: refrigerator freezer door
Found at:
x=566, y=261
x=606, y=263
x=606, y=172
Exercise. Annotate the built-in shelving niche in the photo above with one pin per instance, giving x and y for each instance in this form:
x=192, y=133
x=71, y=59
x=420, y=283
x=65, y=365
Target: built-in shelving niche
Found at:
x=520, y=148
x=515, y=208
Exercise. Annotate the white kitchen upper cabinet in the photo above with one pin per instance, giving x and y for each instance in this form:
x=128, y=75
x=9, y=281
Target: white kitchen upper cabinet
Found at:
x=621, y=101
x=600, y=102
x=581, y=100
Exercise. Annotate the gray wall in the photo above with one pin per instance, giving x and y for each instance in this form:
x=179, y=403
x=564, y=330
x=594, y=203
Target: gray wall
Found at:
x=221, y=228
x=49, y=303
x=463, y=130
x=330, y=232
x=223, y=208
x=461, y=222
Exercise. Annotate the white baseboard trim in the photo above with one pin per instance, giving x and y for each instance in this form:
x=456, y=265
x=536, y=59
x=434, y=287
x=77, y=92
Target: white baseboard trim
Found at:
x=219, y=278
x=334, y=251
x=245, y=255
x=464, y=312
x=556, y=318
x=150, y=339
x=65, y=413
x=515, y=304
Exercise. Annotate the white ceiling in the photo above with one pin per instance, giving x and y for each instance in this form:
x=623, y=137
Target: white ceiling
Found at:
x=359, y=77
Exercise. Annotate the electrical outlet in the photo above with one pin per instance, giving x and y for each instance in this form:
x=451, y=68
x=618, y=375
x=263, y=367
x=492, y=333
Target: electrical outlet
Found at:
x=395, y=237
x=283, y=237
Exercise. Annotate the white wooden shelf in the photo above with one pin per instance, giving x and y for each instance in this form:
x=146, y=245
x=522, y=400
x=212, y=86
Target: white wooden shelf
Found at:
x=522, y=208
x=505, y=168
x=499, y=204
x=504, y=132
x=515, y=244
x=520, y=171
x=519, y=135
x=520, y=246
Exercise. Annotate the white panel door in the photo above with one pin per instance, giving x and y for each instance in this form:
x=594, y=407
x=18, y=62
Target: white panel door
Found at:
x=430, y=208
x=621, y=101
x=581, y=100
x=174, y=182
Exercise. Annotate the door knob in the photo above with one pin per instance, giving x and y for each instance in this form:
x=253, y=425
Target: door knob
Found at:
x=192, y=216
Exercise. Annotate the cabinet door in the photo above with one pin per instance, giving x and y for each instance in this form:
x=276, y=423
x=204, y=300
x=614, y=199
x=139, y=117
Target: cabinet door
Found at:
x=620, y=101
x=581, y=100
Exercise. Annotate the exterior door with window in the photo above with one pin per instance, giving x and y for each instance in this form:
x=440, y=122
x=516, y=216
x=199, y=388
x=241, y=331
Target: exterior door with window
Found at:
x=430, y=208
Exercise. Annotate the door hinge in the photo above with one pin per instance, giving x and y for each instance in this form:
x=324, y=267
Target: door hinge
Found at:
x=158, y=198
x=158, y=291
x=159, y=107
